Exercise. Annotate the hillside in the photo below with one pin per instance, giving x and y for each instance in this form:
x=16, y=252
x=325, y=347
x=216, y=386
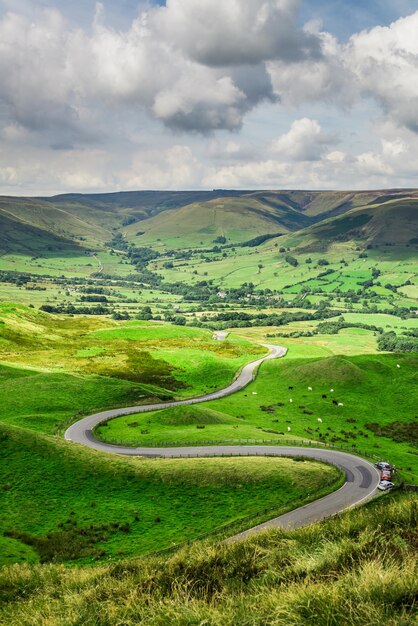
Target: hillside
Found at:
x=200, y=224
x=17, y=236
x=39, y=225
x=391, y=222
x=360, y=568
x=31, y=225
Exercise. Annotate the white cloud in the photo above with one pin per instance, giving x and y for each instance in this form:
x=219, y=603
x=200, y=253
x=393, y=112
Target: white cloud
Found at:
x=97, y=107
x=175, y=168
x=305, y=141
x=223, y=33
x=51, y=71
x=380, y=63
x=323, y=79
x=384, y=61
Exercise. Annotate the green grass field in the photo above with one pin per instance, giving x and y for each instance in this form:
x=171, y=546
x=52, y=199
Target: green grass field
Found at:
x=161, y=359
x=86, y=506
x=371, y=388
x=360, y=568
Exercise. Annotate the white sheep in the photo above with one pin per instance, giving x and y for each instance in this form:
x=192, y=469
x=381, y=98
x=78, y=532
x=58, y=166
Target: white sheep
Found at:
x=397, y=365
x=340, y=404
x=332, y=390
x=254, y=393
x=319, y=420
x=290, y=400
x=288, y=429
x=310, y=388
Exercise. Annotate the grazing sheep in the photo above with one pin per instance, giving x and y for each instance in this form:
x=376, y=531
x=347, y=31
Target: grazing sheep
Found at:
x=310, y=388
x=340, y=404
x=288, y=429
x=397, y=365
x=319, y=420
x=332, y=390
x=254, y=393
x=290, y=400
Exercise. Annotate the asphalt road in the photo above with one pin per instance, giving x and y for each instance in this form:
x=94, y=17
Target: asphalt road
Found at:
x=362, y=477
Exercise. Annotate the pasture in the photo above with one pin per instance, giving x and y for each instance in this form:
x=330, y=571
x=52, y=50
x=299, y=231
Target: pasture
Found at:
x=87, y=507
x=348, y=393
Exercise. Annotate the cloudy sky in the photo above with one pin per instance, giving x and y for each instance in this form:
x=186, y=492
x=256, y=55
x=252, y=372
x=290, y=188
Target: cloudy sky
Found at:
x=202, y=94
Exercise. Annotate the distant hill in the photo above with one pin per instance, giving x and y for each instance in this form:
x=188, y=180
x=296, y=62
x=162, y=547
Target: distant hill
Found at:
x=393, y=222
x=203, y=223
x=198, y=218
x=24, y=238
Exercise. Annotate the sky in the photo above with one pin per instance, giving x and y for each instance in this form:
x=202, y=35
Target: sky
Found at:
x=203, y=94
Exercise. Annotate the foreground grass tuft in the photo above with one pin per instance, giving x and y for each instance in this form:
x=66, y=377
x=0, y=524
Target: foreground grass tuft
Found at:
x=360, y=568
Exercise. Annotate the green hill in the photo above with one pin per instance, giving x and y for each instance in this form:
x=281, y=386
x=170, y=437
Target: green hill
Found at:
x=201, y=224
x=32, y=225
x=357, y=569
x=178, y=219
x=24, y=238
x=393, y=223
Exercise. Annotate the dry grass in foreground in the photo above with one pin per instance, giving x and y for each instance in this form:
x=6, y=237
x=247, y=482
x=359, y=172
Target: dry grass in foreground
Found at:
x=358, y=569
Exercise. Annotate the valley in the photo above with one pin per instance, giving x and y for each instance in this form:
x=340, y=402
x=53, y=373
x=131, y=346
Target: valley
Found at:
x=121, y=300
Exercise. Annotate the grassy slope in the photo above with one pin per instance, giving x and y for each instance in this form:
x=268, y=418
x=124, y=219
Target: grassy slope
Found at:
x=180, y=425
x=52, y=221
x=69, y=489
x=239, y=219
x=393, y=222
x=28, y=240
x=358, y=569
x=41, y=401
x=371, y=388
x=79, y=365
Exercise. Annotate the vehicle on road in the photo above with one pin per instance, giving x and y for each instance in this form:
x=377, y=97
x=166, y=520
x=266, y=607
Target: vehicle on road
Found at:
x=382, y=465
x=385, y=475
x=385, y=485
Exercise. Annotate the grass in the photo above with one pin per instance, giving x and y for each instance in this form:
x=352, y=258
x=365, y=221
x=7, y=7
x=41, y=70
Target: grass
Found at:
x=199, y=224
x=371, y=388
x=70, y=366
x=42, y=401
x=181, y=425
x=360, y=568
x=86, y=506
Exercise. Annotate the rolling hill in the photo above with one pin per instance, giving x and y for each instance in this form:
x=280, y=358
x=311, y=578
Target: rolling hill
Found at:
x=393, y=222
x=190, y=218
x=201, y=224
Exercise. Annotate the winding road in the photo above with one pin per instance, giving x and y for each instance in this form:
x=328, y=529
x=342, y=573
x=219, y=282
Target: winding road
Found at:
x=362, y=477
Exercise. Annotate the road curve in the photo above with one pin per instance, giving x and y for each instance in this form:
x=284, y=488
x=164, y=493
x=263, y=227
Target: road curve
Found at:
x=80, y=431
x=362, y=477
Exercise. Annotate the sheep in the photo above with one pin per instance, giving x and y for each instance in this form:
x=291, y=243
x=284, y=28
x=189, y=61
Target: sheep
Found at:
x=288, y=429
x=309, y=388
x=319, y=420
x=290, y=400
x=340, y=404
x=332, y=390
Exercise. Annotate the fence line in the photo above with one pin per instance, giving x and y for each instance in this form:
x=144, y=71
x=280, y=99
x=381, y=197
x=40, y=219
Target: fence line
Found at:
x=305, y=443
